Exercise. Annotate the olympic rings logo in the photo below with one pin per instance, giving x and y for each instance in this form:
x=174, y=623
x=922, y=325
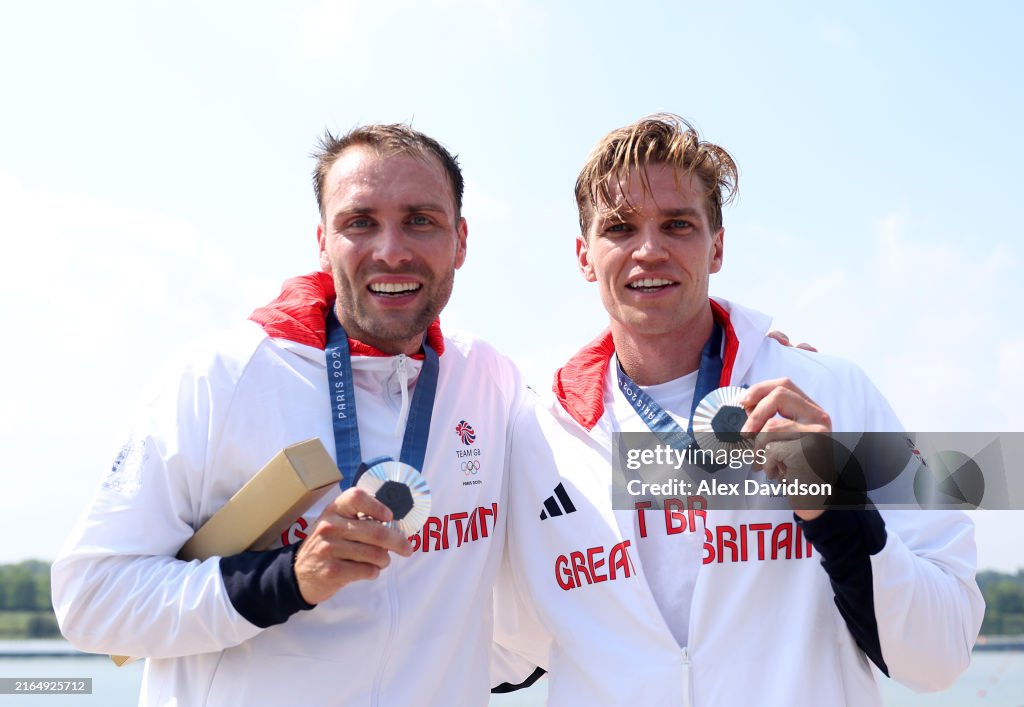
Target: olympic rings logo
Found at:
x=470, y=467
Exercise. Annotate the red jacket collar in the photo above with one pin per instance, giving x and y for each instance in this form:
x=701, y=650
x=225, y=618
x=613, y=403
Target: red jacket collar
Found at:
x=299, y=312
x=579, y=384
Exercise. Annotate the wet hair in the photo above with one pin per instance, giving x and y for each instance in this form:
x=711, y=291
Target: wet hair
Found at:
x=662, y=138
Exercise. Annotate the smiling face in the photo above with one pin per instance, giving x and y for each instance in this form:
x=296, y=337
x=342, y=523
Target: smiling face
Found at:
x=651, y=253
x=392, y=240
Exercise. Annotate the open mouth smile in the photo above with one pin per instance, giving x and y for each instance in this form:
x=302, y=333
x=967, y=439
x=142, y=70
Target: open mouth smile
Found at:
x=394, y=289
x=650, y=284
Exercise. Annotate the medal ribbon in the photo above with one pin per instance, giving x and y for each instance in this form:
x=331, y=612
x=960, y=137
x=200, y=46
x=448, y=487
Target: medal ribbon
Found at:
x=343, y=405
x=654, y=416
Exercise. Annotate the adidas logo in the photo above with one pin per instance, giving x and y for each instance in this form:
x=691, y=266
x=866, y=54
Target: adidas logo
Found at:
x=551, y=507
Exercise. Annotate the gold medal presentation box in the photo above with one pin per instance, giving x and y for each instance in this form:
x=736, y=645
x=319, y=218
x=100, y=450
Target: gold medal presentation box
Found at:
x=296, y=478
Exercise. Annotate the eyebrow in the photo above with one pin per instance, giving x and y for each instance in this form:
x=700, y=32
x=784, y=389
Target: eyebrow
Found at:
x=426, y=206
x=358, y=210
x=685, y=211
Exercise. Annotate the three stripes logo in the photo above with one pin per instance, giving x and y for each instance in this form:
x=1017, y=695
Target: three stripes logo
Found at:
x=466, y=432
x=552, y=507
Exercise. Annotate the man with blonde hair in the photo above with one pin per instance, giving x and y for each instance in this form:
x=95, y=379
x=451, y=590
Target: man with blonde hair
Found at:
x=694, y=601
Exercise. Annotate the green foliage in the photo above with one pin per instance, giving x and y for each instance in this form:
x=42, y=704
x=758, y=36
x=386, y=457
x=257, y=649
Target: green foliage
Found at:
x=1004, y=603
x=42, y=626
x=25, y=586
x=28, y=624
x=25, y=608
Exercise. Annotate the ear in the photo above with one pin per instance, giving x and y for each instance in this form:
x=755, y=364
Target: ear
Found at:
x=717, y=248
x=461, y=232
x=321, y=240
x=583, y=259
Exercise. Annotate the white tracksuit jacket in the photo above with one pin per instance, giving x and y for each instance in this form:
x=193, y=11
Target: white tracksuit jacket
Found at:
x=764, y=629
x=417, y=635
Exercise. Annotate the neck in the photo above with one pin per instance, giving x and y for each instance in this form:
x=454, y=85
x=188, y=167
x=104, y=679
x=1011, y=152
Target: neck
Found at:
x=659, y=358
x=409, y=346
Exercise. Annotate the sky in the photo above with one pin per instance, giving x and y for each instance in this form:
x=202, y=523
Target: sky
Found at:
x=155, y=188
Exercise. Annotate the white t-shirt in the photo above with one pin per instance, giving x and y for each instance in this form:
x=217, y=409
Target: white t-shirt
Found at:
x=670, y=560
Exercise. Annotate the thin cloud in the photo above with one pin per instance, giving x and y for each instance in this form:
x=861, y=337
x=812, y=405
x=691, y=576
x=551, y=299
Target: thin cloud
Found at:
x=359, y=31
x=98, y=295
x=837, y=36
x=929, y=317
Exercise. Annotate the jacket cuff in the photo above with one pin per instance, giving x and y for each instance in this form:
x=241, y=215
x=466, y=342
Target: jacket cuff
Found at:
x=839, y=534
x=262, y=585
x=846, y=540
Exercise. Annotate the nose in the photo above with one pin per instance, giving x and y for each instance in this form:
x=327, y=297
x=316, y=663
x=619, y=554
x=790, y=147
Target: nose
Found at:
x=391, y=246
x=649, y=246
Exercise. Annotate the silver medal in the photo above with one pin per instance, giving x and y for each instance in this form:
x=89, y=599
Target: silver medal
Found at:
x=401, y=488
x=718, y=419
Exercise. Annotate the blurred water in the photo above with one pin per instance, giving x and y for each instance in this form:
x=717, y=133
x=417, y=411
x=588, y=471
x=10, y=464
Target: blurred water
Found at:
x=995, y=679
x=111, y=686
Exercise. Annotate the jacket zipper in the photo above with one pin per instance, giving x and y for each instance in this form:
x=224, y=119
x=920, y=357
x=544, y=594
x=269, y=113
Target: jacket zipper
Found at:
x=402, y=372
x=688, y=697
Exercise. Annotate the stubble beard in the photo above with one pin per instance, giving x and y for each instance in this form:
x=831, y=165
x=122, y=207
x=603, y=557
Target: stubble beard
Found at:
x=390, y=331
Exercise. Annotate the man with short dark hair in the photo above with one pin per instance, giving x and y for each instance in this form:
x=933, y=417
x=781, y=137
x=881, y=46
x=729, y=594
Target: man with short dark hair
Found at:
x=679, y=603
x=294, y=623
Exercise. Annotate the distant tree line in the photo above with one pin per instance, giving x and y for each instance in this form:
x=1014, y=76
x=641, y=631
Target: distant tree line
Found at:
x=25, y=586
x=1004, y=603
x=25, y=608
x=26, y=611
